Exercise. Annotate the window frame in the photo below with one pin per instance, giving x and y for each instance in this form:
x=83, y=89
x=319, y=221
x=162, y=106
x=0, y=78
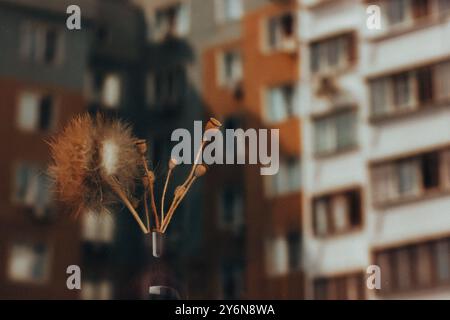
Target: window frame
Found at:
x=331, y=120
x=390, y=181
x=328, y=198
x=48, y=263
x=38, y=31
x=289, y=112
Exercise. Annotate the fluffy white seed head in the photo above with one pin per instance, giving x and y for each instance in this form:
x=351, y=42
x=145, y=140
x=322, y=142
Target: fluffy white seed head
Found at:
x=110, y=157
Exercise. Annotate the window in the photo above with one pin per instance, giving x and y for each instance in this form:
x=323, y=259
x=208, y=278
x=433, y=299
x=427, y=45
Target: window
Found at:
x=402, y=89
x=410, y=177
x=277, y=256
x=96, y=290
x=380, y=93
x=231, y=208
x=445, y=168
x=294, y=250
x=32, y=189
x=398, y=12
x=35, y=112
x=335, y=132
x=230, y=68
x=321, y=216
x=232, y=280
x=442, y=249
x=337, y=213
x=234, y=123
x=403, y=272
x=29, y=263
x=345, y=287
x=425, y=85
x=410, y=90
x=421, y=8
x=41, y=43
x=112, y=91
x=166, y=88
x=280, y=32
x=429, y=166
x=333, y=54
x=340, y=210
x=424, y=262
x=281, y=103
x=228, y=10
x=404, y=12
x=172, y=21
x=442, y=81
x=288, y=178
x=415, y=266
x=384, y=260
x=444, y=6
x=98, y=227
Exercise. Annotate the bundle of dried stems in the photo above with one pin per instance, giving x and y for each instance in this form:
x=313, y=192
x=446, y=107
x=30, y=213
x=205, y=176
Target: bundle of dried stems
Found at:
x=96, y=164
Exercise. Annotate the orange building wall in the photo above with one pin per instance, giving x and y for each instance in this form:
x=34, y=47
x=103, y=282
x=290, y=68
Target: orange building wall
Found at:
x=15, y=224
x=265, y=217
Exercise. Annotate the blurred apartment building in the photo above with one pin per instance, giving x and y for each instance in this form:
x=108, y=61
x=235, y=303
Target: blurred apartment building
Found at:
x=250, y=81
x=41, y=82
x=376, y=145
x=244, y=62
x=48, y=75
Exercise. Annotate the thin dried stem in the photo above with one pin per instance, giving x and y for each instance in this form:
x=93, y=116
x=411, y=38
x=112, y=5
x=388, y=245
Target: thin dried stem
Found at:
x=151, y=191
x=153, y=204
x=121, y=194
x=147, y=215
x=176, y=202
x=169, y=173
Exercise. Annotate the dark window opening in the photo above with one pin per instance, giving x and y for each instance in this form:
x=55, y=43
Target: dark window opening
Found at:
x=430, y=170
x=320, y=289
x=46, y=113
x=294, y=247
x=425, y=85
x=232, y=280
x=51, y=38
x=287, y=23
x=326, y=224
x=421, y=8
x=354, y=207
x=350, y=286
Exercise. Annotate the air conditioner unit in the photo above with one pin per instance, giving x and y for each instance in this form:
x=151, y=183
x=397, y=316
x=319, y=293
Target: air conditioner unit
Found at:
x=326, y=86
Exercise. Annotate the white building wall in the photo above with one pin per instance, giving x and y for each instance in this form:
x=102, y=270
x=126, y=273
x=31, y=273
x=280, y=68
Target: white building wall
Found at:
x=400, y=224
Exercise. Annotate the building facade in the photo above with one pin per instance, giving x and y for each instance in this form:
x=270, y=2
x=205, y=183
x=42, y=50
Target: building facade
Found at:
x=37, y=239
x=375, y=141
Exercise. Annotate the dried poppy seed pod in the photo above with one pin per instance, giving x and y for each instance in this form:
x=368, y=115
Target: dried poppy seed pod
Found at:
x=151, y=177
x=200, y=170
x=172, y=163
x=145, y=181
x=141, y=146
x=179, y=191
x=212, y=124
